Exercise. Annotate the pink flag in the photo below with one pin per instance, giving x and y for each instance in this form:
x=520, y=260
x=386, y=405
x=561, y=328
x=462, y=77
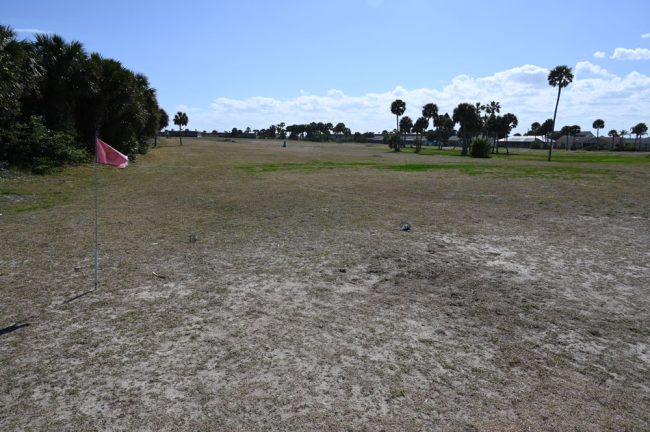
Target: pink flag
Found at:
x=107, y=155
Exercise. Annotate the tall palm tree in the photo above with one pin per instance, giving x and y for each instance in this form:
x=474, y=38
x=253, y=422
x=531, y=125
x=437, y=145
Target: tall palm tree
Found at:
x=405, y=126
x=180, y=119
x=163, y=122
x=639, y=130
x=470, y=122
x=509, y=122
x=61, y=85
x=479, y=109
x=398, y=107
x=560, y=77
x=598, y=125
x=430, y=112
x=493, y=108
x=419, y=127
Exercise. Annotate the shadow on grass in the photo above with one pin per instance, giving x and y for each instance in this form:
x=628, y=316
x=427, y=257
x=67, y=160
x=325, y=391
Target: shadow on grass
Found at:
x=12, y=328
x=78, y=296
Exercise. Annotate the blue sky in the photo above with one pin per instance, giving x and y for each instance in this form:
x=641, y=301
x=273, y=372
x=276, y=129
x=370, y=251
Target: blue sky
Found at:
x=254, y=62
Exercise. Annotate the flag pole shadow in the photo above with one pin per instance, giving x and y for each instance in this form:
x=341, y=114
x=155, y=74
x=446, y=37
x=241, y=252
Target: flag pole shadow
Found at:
x=12, y=328
x=78, y=296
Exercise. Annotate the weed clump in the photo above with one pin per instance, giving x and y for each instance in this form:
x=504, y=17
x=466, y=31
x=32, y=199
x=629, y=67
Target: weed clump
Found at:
x=480, y=148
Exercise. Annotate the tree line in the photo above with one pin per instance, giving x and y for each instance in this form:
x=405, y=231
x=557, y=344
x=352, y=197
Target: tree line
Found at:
x=479, y=122
x=473, y=119
x=55, y=97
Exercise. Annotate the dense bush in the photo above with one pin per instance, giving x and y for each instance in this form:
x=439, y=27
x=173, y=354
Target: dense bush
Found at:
x=596, y=147
x=480, y=148
x=535, y=145
x=41, y=149
x=54, y=98
x=395, y=142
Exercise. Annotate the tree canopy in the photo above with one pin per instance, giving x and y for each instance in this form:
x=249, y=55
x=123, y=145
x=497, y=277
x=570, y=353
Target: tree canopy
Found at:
x=54, y=92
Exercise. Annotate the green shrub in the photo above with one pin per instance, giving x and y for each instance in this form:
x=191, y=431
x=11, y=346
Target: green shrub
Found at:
x=395, y=142
x=536, y=145
x=596, y=147
x=480, y=148
x=40, y=149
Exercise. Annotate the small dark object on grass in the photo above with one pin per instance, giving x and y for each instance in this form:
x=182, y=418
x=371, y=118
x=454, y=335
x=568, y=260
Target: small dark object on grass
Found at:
x=193, y=238
x=405, y=227
x=342, y=270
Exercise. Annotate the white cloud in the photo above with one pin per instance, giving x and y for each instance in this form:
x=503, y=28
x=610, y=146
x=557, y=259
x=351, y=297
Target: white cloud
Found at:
x=600, y=54
x=646, y=36
x=585, y=69
x=30, y=30
x=524, y=91
x=631, y=54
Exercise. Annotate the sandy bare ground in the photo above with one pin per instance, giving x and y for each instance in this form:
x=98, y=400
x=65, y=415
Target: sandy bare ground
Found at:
x=513, y=304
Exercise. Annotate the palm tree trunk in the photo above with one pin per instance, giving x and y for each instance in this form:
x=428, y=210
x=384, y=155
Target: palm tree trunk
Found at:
x=180, y=134
x=557, y=102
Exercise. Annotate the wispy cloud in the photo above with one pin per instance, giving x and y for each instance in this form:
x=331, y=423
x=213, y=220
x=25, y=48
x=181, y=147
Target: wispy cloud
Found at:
x=30, y=30
x=631, y=54
x=600, y=54
x=646, y=36
x=524, y=91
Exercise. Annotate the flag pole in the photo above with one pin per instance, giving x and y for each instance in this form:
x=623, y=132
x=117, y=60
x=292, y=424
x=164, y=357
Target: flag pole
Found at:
x=96, y=217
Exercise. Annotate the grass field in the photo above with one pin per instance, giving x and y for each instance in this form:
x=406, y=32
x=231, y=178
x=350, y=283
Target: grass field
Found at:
x=520, y=299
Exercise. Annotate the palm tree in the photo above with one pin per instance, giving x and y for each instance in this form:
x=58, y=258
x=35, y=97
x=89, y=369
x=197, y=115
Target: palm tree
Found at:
x=509, y=122
x=560, y=77
x=63, y=71
x=15, y=77
x=398, y=107
x=419, y=127
x=493, y=108
x=163, y=122
x=180, y=119
x=470, y=122
x=546, y=128
x=621, y=138
x=405, y=126
x=598, y=125
x=534, y=128
x=430, y=112
x=566, y=132
x=613, y=134
x=479, y=109
x=444, y=129
x=639, y=130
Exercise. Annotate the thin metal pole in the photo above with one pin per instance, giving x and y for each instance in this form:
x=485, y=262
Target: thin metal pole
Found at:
x=96, y=218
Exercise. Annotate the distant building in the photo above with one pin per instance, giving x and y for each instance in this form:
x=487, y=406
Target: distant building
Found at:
x=524, y=141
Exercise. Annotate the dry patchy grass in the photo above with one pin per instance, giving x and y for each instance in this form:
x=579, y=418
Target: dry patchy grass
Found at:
x=519, y=301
